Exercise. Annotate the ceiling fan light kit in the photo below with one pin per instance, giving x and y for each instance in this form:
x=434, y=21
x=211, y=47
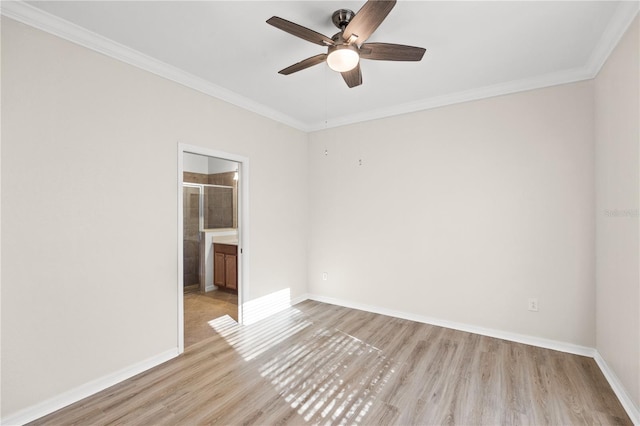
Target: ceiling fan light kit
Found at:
x=343, y=57
x=346, y=48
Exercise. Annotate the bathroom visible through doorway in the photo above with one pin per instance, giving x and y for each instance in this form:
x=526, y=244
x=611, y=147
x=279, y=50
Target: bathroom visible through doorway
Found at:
x=211, y=250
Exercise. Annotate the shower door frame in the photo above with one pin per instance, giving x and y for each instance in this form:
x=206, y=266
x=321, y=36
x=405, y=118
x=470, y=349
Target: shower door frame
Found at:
x=200, y=226
x=243, y=229
x=201, y=223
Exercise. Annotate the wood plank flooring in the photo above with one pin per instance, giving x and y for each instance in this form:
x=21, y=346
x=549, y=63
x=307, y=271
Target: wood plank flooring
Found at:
x=322, y=364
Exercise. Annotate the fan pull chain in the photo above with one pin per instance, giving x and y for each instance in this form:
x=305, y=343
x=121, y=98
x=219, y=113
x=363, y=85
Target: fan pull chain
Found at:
x=326, y=151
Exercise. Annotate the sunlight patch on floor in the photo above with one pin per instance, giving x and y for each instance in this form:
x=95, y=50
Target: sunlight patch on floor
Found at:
x=328, y=376
x=253, y=340
x=323, y=378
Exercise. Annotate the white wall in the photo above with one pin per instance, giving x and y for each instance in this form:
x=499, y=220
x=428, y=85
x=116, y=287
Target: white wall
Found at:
x=462, y=213
x=617, y=93
x=89, y=248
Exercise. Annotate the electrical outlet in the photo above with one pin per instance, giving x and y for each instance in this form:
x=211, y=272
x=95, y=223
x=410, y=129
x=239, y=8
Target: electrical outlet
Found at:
x=533, y=304
x=325, y=276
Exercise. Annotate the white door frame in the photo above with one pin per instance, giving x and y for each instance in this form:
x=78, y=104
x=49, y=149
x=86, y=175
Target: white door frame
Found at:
x=243, y=228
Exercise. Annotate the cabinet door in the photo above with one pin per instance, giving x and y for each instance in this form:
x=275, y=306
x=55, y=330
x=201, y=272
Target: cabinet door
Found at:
x=218, y=269
x=231, y=271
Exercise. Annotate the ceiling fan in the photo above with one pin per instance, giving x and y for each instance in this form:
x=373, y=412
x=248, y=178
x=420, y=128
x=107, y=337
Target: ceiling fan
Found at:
x=347, y=47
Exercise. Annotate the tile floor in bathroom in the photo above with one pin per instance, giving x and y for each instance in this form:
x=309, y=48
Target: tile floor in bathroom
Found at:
x=200, y=308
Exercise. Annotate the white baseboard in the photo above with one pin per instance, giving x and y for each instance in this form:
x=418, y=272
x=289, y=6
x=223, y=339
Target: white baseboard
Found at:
x=625, y=399
x=627, y=402
x=299, y=299
x=49, y=406
x=88, y=389
x=74, y=395
x=499, y=334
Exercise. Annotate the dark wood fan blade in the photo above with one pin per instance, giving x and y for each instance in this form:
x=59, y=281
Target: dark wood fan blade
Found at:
x=353, y=78
x=391, y=52
x=368, y=18
x=300, y=31
x=309, y=62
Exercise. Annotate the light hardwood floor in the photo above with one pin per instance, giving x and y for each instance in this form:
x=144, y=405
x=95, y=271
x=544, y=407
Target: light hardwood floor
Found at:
x=322, y=364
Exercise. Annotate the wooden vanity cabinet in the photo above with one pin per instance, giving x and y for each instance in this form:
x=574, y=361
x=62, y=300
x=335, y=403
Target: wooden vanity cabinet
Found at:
x=225, y=266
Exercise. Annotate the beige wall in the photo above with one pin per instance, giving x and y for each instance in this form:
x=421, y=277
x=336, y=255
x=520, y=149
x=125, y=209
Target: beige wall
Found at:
x=617, y=116
x=462, y=213
x=89, y=247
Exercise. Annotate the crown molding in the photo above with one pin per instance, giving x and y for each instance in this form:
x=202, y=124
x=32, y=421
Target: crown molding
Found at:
x=37, y=18
x=623, y=17
x=538, y=82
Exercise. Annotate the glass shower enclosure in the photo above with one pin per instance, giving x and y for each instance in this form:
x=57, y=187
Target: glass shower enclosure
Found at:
x=205, y=207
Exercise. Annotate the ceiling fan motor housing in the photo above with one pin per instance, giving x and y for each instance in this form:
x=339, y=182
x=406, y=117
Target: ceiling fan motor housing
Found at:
x=342, y=17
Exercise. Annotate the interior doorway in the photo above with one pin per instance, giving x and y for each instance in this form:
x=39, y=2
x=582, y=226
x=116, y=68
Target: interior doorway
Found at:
x=211, y=223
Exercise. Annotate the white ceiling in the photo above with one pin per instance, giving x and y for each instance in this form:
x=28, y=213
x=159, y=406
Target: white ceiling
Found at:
x=224, y=48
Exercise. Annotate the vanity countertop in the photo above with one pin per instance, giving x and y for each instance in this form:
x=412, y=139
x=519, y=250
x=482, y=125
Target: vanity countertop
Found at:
x=220, y=230
x=226, y=239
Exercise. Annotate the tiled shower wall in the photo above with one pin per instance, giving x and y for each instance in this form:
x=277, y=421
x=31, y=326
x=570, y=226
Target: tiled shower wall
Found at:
x=220, y=211
x=227, y=179
x=191, y=232
x=218, y=207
